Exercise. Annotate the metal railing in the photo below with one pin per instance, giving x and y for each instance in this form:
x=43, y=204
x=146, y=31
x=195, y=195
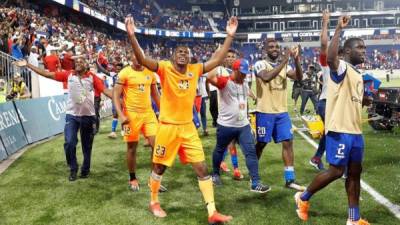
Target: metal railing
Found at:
x=8, y=70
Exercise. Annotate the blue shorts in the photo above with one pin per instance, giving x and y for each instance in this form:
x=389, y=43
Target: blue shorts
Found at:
x=277, y=126
x=341, y=148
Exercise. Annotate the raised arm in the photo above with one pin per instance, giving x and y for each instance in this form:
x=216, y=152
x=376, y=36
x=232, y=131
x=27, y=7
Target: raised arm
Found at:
x=333, y=59
x=220, y=54
x=42, y=72
x=324, y=32
x=212, y=77
x=296, y=74
x=148, y=62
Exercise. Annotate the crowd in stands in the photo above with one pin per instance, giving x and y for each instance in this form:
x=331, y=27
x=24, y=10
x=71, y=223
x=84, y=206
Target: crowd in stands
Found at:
x=55, y=39
x=147, y=15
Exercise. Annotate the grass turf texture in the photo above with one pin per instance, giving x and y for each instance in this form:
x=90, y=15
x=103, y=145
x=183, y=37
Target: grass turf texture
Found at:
x=35, y=189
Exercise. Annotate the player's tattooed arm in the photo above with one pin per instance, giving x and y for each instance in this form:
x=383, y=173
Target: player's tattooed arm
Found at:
x=333, y=59
x=146, y=61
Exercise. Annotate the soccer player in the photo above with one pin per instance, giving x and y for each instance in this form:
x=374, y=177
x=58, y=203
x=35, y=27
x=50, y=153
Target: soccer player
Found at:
x=315, y=161
x=114, y=123
x=137, y=84
x=80, y=110
x=233, y=123
x=272, y=117
x=343, y=123
x=176, y=132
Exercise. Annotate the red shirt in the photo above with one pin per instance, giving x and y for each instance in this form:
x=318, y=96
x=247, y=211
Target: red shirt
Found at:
x=67, y=63
x=102, y=60
x=10, y=43
x=51, y=62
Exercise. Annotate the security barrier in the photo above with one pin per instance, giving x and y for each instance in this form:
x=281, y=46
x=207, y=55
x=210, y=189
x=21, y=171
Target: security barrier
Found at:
x=24, y=122
x=11, y=132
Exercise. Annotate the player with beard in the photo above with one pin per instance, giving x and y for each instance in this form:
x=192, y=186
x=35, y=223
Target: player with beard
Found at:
x=272, y=117
x=177, y=133
x=344, y=140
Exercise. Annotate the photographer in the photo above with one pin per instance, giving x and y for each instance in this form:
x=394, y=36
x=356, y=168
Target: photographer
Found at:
x=19, y=90
x=3, y=91
x=309, y=88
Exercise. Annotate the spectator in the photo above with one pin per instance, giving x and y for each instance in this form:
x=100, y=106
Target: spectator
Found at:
x=19, y=90
x=309, y=89
x=16, y=49
x=3, y=91
x=52, y=62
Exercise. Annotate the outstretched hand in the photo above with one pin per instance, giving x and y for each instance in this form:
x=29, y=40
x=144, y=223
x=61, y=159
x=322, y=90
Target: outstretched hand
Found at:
x=231, y=26
x=21, y=63
x=343, y=21
x=130, y=25
x=325, y=16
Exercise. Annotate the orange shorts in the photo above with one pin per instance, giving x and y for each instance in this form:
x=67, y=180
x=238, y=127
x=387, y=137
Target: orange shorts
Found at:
x=172, y=139
x=140, y=122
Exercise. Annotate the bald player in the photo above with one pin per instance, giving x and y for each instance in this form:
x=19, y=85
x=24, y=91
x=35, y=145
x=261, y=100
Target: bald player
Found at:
x=272, y=118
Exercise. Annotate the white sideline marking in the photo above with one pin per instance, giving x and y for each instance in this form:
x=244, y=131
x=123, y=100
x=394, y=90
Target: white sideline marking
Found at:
x=395, y=209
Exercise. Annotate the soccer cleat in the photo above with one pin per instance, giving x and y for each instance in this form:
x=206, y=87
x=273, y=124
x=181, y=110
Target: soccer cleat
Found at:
x=134, y=185
x=156, y=210
x=302, y=207
x=216, y=179
x=237, y=175
x=112, y=135
x=294, y=186
x=358, y=222
x=218, y=218
x=260, y=188
x=224, y=167
x=316, y=163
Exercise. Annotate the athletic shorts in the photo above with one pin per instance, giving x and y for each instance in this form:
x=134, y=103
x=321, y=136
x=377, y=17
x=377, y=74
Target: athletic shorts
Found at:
x=273, y=125
x=172, y=139
x=341, y=148
x=145, y=123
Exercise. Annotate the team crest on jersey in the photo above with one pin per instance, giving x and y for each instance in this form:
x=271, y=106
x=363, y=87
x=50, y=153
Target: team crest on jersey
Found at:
x=147, y=77
x=190, y=74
